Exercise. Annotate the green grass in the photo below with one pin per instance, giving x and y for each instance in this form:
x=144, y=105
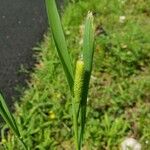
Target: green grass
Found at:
x=118, y=103
x=9, y=119
x=78, y=83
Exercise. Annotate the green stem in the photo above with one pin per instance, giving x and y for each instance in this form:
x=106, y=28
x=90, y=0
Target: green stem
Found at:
x=75, y=124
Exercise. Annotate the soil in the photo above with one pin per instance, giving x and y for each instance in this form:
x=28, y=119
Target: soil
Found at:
x=22, y=25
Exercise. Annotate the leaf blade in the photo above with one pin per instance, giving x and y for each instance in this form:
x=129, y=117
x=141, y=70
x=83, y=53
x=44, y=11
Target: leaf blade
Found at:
x=7, y=116
x=88, y=42
x=88, y=50
x=59, y=39
x=9, y=119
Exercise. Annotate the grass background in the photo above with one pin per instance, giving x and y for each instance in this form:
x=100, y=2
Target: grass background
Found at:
x=119, y=99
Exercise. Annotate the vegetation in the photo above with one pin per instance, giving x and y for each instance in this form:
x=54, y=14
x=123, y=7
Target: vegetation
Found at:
x=79, y=84
x=118, y=102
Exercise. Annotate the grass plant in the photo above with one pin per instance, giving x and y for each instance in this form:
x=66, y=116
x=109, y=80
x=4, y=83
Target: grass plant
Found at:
x=81, y=83
x=118, y=101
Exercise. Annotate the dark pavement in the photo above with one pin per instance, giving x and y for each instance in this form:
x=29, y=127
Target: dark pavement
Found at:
x=22, y=25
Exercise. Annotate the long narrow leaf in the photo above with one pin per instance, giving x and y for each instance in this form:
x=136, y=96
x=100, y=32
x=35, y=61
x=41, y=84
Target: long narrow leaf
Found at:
x=9, y=119
x=88, y=49
x=7, y=116
x=88, y=43
x=59, y=38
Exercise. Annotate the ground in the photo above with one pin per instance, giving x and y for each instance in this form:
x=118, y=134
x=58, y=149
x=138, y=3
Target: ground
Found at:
x=22, y=25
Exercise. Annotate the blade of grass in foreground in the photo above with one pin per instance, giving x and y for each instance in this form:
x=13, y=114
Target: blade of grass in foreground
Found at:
x=88, y=50
x=9, y=119
x=59, y=38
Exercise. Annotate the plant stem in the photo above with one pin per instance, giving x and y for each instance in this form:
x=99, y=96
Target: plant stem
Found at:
x=75, y=124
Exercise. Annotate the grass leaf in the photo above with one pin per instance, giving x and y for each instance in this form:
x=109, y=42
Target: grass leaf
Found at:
x=59, y=38
x=7, y=116
x=88, y=43
x=9, y=119
x=88, y=50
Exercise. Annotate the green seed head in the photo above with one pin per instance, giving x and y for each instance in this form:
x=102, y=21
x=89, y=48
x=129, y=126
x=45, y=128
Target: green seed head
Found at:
x=79, y=79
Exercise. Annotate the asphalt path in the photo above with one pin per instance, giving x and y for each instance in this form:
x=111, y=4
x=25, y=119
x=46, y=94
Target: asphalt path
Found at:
x=22, y=25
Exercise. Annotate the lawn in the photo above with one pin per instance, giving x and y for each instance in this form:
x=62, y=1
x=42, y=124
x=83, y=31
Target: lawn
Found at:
x=119, y=94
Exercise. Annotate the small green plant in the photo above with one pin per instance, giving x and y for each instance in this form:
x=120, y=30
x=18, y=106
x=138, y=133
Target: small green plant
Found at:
x=80, y=83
